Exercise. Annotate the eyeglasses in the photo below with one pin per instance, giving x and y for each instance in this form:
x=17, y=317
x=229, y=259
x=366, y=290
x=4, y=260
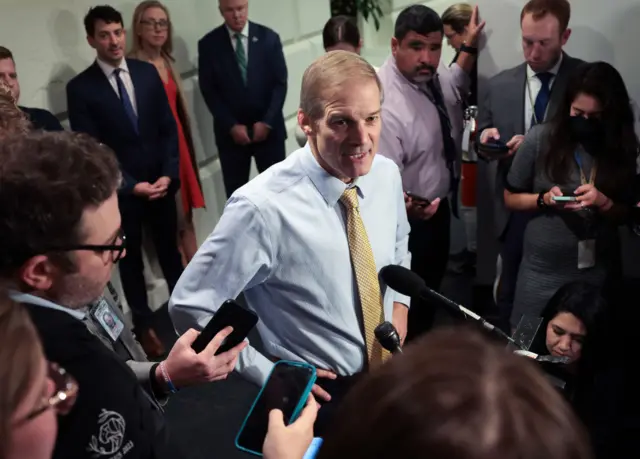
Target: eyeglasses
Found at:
x=116, y=249
x=62, y=400
x=152, y=23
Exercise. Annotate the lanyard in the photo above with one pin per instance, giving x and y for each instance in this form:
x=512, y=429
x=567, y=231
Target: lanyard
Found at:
x=583, y=178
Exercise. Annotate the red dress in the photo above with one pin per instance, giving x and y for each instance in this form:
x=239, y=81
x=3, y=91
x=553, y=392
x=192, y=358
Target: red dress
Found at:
x=189, y=188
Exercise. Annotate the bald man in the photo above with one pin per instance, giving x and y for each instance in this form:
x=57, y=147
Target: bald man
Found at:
x=243, y=79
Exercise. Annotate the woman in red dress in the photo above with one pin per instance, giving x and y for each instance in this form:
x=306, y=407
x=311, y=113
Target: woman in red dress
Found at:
x=153, y=43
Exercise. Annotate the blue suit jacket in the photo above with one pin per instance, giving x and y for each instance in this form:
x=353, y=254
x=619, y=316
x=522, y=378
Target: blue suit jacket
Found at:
x=95, y=108
x=228, y=99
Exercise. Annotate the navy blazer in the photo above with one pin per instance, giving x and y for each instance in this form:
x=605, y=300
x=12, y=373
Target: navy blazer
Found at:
x=228, y=99
x=95, y=108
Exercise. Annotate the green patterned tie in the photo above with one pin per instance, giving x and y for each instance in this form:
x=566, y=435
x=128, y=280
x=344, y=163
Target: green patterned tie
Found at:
x=241, y=57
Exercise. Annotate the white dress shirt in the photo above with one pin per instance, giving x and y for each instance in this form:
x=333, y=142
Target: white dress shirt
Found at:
x=531, y=90
x=244, y=38
x=282, y=241
x=126, y=79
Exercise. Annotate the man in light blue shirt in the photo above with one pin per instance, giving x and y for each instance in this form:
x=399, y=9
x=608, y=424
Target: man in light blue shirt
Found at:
x=282, y=238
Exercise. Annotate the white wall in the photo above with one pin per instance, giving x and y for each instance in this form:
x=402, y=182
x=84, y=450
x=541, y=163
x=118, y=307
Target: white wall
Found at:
x=48, y=40
x=601, y=31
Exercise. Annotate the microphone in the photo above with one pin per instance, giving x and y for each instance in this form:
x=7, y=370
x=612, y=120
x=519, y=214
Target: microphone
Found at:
x=405, y=281
x=388, y=337
x=542, y=358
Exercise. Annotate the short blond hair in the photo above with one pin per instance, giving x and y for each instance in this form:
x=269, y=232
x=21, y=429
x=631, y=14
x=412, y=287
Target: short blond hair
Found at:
x=329, y=73
x=458, y=16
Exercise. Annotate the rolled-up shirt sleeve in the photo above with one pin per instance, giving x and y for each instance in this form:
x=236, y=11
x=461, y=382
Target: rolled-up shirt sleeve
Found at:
x=235, y=257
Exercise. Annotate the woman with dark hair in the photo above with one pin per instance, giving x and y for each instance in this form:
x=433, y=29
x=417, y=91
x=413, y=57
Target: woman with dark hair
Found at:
x=577, y=323
x=572, y=322
x=578, y=172
x=341, y=32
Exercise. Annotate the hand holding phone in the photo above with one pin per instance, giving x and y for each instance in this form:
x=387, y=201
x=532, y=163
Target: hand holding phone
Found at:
x=293, y=440
x=185, y=367
x=287, y=390
x=230, y=314
x=420, y=208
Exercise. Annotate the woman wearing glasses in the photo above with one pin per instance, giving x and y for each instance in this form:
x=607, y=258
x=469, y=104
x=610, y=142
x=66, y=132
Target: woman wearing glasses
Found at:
x=32, y=391
x=153, y=43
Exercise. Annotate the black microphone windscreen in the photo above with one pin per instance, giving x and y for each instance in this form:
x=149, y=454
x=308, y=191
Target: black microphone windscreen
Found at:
x=387, y=336
x=403, y=280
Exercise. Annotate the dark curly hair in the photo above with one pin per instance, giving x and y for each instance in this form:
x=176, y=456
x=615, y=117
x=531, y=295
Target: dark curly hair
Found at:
x=47, y=180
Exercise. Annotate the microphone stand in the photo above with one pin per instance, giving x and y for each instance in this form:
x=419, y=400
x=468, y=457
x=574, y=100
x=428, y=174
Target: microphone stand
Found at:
x=428, y=293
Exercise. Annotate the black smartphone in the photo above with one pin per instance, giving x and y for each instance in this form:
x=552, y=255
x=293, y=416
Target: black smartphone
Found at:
x=230, y=314
x=287, y=389
x=419, y=199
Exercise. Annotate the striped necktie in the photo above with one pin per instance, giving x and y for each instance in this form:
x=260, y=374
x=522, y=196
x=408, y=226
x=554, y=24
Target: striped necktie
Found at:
x=241, y=57
x=366, y=274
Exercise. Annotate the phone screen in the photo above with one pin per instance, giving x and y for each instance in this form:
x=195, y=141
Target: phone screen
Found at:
x=287, y=385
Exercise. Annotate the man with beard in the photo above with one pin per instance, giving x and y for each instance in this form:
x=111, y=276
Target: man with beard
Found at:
x=60, y=236
x=422, y=133
x=517, y=99
x=123, y=104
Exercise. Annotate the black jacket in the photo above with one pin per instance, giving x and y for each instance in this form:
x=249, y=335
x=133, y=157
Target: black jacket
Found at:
x=112, y=414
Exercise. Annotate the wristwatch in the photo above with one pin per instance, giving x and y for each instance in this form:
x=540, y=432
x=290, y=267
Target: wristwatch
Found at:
x=541, y=203
x=464, y=48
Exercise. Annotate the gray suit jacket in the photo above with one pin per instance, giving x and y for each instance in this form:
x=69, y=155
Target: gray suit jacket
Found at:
x=503, y=108
x=136, y=357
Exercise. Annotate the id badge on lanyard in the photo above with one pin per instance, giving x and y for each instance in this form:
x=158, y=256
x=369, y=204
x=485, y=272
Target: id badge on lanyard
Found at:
x=108, y=319
x=587, y=244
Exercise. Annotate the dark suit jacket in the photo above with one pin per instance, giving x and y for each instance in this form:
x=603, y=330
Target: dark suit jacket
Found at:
x=42, y=119
x=108, y=391
x=503, y=108
x=228, y=99
x=95, y=108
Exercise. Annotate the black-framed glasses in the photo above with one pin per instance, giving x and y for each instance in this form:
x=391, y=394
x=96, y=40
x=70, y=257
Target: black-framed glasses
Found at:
x=66, y=392
x=162, y=24
x=117, y=248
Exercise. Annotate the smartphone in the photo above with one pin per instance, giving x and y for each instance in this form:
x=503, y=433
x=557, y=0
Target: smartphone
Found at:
x=564, y=198
x=229, y=314
x=420, y=199
x=287, y=388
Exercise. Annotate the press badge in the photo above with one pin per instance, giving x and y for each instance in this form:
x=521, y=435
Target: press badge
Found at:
x=108, y=319
x=586, y=254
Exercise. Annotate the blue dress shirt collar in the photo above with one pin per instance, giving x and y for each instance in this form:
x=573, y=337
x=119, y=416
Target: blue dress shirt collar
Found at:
x=37, y=301
x=331, y=188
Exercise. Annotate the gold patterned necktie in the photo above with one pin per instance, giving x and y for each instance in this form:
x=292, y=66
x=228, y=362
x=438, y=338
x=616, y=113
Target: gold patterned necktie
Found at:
x=364, y=267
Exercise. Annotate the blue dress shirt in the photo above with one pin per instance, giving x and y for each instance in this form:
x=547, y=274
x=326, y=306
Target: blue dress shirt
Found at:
x=282, y=241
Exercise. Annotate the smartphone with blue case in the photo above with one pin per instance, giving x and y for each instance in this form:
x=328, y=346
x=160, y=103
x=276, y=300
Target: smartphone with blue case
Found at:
x=287, y=388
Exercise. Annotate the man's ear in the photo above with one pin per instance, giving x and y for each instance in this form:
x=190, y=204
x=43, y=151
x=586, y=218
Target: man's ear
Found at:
x=305, y=123
x=38, y=273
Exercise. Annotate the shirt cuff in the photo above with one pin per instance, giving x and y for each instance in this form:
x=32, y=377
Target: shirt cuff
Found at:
x=404, y=299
